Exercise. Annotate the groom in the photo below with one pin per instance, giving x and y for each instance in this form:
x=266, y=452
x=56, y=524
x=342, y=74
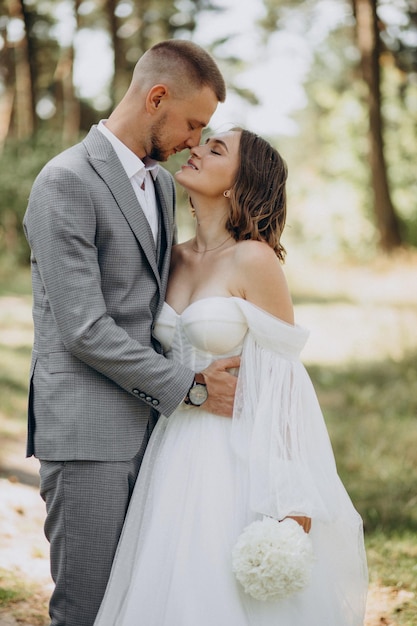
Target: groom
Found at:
x=100, y=223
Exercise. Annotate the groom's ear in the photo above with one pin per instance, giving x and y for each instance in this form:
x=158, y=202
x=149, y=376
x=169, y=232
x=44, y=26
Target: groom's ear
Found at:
x=155, y=98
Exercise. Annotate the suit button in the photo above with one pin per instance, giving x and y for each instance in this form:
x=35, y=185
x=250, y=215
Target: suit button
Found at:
x=148, y=398
x=135, y=391
x=142, y=395
x=155, y=402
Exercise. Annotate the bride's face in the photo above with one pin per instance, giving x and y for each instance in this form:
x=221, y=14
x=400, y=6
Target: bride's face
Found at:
x=212, y=167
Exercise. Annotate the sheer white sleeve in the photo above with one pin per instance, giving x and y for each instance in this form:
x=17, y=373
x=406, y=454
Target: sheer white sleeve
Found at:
x=278, y=432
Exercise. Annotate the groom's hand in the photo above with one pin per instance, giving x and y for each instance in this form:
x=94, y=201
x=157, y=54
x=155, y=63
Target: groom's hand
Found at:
x=221, y=386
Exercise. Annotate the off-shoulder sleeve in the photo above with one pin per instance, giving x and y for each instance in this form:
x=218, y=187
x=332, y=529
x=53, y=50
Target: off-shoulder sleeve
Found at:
x=278, y=431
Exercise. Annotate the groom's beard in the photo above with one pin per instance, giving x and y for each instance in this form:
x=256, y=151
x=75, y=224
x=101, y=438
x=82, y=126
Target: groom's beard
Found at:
x=158, y=151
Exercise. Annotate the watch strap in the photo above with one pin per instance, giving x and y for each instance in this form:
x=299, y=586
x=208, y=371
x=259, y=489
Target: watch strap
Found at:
x=198, y=380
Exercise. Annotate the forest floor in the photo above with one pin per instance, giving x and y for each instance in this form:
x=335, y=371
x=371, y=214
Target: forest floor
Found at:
x=24, y=551
x=353, y=296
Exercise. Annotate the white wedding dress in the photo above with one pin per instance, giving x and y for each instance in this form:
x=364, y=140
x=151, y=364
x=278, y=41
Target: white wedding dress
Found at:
x=204, y=478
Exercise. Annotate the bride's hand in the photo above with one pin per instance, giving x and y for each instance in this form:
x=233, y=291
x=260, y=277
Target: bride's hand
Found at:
x=305, y=522
x=221, y=386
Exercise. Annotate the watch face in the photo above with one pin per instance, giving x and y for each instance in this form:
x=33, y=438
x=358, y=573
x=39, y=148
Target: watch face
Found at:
x=198, y=394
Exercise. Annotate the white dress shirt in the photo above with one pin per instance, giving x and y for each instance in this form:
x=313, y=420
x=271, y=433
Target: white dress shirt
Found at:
x=141, y=175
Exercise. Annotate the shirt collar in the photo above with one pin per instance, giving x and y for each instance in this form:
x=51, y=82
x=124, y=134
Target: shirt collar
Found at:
x=131, y=163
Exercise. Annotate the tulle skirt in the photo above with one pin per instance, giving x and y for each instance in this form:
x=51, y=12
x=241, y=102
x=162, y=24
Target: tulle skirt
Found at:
x=173, y=566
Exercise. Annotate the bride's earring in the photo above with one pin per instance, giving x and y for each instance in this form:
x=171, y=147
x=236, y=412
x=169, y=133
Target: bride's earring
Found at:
x=226, y=193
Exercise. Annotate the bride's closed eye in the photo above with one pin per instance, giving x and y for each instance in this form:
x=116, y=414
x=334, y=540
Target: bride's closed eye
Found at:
x=217, y=146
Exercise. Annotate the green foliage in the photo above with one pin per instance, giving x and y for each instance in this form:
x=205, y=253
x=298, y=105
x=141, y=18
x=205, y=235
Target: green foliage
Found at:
x=9, y=590
x=20, y=599
x=370, y=410
x=14, y=280
x=20, y=163
x=330, y=180
x=398, y=18
x=331, y=195
x=397, y=548
x=400, y=114
x=392, y=561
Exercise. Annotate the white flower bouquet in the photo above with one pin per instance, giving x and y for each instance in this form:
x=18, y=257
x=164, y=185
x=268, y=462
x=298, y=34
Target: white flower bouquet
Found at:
x=273, y=560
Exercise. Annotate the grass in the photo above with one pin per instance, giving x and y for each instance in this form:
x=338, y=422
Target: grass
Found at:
x=392, y=558
x=11, y=589
x=370, y=412
x=14, y=279
x=21, y=599
x=370, y=409
x=398, y=548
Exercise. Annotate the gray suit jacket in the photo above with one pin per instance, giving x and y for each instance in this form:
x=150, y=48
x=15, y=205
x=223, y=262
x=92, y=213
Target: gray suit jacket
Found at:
x=98, y=285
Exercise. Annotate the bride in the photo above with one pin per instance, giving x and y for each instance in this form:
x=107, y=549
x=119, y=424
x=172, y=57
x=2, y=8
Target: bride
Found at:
x=204, y=477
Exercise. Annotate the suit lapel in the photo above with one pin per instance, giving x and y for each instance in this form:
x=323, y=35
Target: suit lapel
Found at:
x=104, y=160
x=165, y=234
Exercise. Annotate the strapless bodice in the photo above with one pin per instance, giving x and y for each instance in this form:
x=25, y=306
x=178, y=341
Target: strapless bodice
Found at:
x=207, y=329
x=216, y=326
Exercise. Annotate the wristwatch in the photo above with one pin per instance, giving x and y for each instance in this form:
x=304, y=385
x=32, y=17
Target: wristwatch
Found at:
x=197, y=394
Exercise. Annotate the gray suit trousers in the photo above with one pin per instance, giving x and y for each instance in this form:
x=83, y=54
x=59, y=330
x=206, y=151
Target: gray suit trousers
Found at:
x=86, y=503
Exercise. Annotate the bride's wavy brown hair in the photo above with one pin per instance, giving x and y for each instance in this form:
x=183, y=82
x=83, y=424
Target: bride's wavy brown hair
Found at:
x=258, y=196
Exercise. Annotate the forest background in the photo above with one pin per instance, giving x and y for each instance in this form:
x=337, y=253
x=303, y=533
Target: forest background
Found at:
x=331, y=83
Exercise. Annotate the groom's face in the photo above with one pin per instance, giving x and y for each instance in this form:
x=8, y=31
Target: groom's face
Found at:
x=180, y=123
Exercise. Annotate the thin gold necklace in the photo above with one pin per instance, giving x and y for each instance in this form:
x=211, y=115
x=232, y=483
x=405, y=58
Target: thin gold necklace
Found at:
x=210, y=249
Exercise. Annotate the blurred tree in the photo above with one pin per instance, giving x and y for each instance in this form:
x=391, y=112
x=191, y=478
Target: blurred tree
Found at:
x=369, y=44
x=18, y=74
x=28, y=61
x=397, y=27
x=38, y=99
x=375, y=39
x=6, y=77
x=66, y=100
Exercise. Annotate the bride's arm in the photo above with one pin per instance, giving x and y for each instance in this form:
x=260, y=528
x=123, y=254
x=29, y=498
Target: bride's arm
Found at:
x=278, y=430
x=262, y=283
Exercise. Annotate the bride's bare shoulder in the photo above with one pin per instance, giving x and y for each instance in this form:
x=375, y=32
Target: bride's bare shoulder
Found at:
x=254, y=253
x=261, y=279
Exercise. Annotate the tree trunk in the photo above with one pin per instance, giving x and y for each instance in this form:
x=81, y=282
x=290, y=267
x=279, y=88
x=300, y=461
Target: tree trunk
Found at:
x=24, y=117
x=31, y=61
x=7, y=97
x=67, y=103
x=118, y=85
x=368, y=43
x=70, y=105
